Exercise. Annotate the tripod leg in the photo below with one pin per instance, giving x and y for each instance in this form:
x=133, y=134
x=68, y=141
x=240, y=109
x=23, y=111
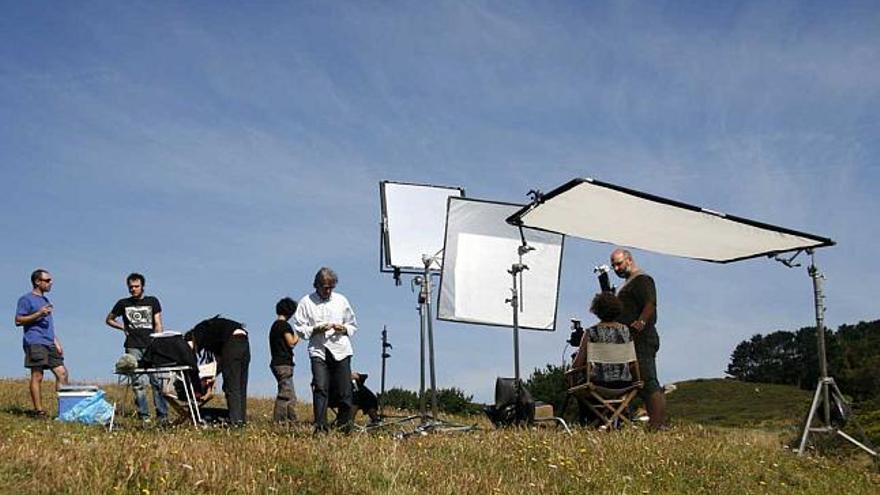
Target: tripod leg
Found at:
x=839, y=400
x=810, y=416
x=856, y=443
x=843, y=405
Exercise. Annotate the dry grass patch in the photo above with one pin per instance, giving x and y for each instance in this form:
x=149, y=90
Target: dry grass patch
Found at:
x=40, y=456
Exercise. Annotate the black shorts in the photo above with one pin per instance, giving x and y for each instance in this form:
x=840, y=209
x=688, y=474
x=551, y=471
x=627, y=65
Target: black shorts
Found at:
x=40, y=356
x=647, y=345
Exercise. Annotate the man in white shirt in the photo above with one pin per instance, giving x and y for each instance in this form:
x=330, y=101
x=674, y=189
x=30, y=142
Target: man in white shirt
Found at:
x=326, y=320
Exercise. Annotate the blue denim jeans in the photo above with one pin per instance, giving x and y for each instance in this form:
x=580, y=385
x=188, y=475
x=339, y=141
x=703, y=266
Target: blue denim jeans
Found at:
x=139, y=384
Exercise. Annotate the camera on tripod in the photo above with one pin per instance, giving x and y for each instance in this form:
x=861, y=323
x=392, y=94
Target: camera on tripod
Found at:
x=577, y=333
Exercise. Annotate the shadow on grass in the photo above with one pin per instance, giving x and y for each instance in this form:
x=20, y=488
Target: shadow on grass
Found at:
x=20, y=411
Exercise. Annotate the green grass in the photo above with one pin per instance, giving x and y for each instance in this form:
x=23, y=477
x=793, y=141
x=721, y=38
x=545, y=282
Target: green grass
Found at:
x=44, y=456
x=722, y=402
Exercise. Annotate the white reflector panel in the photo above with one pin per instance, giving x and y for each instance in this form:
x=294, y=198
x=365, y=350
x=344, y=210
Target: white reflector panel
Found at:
x=480, y=249
x=604, y=212
x=413, y=222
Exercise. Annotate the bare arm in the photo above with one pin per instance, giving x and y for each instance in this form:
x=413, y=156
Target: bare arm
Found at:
x=112, y=321
x=22, y=320
x=157, y=322
x=291, y=339
x=644, y=317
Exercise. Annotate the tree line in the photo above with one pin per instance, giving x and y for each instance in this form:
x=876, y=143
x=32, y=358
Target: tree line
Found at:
x=791, y=358
x=781, y=357
x=449, y=400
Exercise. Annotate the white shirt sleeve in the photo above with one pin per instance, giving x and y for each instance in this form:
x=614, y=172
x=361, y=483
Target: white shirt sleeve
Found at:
x=302, y=319
x=348, y=319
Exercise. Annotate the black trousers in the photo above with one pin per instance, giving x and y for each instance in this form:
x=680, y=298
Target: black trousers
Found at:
x=235, y=359
x=331, y=382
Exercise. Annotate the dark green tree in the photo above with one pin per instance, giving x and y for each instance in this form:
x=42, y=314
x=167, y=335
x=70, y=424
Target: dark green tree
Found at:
x=548, y=385
x=788, y=358
x=454, y=401
x=450, y=400
x=773, y=358
x=400, y=399
x=856, y=372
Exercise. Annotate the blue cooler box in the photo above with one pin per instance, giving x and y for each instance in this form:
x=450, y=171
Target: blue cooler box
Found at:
x=70, y=395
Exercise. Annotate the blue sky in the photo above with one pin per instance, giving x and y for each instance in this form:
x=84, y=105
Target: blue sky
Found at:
x=228, y=150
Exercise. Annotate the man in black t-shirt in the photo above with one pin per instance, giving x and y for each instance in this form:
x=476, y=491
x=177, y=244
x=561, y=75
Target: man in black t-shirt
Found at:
x=639, y=297
x=282, y=339
x=141, y=316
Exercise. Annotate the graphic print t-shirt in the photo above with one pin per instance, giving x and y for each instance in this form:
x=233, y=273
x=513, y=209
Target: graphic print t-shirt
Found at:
x=137, y=317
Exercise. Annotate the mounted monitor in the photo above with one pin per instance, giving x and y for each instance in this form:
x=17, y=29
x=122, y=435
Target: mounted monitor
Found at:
x=413, y=222
x=480, y=248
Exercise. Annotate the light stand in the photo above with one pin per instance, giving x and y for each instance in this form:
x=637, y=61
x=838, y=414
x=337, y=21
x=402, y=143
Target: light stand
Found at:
x=429, y=422
x=826, y=389
x=515, y=302
x=426, y=329
x=386, y=346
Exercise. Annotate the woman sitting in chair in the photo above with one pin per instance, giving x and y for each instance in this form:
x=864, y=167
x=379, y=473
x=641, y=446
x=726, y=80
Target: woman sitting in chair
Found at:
x=607, y=307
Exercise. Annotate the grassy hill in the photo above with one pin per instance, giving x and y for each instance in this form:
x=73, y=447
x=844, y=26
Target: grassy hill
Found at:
x=697, y=456
x=783, y=408
x=732, y=403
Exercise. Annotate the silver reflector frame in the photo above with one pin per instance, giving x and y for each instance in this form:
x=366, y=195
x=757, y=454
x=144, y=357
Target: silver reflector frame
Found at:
x=479, y=250
x=603, y=212
x=413, y=223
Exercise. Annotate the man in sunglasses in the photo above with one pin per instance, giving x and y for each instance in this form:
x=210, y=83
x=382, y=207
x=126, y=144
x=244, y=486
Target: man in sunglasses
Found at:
x=42, y=350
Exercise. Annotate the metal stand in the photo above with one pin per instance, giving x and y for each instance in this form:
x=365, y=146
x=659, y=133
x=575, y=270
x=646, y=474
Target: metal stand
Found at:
x=426, y=329
x=428, y=422
x=826, y=389
x=386, y=346
x=516, y=306
x=514, y=301
x=383, y=418
x=516, y=269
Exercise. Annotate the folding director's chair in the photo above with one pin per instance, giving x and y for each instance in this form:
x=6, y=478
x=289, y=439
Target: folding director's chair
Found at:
x=607, y=401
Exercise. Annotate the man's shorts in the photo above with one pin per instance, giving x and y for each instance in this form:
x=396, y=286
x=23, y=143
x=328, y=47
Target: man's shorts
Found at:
x=647, y=346
x=43, y=357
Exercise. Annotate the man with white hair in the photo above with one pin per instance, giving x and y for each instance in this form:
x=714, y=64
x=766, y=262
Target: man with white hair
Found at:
x=326, y=320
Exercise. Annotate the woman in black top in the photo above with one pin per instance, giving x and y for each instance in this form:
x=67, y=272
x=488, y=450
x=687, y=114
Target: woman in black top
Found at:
x=228, y=341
